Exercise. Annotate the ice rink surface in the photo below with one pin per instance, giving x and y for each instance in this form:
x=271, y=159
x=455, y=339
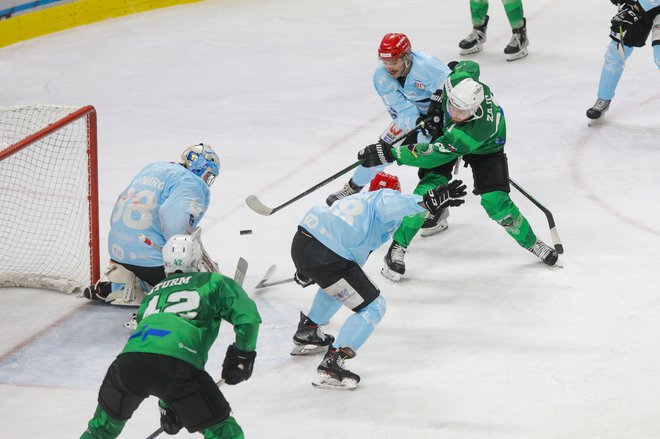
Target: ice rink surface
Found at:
x=481, y=340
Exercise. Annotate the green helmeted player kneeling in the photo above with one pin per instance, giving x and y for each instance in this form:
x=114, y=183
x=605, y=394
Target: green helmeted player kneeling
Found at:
x=178, y=323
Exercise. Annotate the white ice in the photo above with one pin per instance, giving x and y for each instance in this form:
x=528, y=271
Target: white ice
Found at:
x=480, y=340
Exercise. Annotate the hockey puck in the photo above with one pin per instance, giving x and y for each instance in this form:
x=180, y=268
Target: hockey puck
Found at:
x=246, y=232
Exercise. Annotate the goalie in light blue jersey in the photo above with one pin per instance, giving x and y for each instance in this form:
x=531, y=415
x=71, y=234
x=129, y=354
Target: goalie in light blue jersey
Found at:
x=164, y=199
x=330, y=248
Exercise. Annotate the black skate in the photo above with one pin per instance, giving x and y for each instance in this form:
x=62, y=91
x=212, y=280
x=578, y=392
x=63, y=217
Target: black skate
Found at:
x=474, y=42
x=544, y=252
x=394, y=265
x=98, y=291
x=349, y=188
x=309, y=338
x=331, y=373
x=435, y=223
x=598, y=109
x=517, y=47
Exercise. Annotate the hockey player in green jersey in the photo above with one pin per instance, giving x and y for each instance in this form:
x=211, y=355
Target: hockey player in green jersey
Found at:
x=178, y=323
x=474, y=128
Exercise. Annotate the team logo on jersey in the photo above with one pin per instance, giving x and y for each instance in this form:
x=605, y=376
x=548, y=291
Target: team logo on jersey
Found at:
x=146, y=331
x=419, y=85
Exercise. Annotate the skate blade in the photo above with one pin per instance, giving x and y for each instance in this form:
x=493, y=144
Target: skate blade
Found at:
x=391, y=275
x=323, y=381
x=308, y=350
x=514, y=56
x=596, y=122
x=476, y=49
x=430, y=231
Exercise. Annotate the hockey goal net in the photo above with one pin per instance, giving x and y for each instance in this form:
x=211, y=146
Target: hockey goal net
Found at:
x=48, y=197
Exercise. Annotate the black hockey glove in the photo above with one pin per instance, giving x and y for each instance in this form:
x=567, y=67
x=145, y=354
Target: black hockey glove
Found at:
x=238, y=365
x=169, y=421
x=302, y=280
x=627, y=16
x=376, y=154
x=444, y=196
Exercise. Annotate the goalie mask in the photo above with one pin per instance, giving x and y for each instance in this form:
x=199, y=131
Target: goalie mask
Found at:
x=383, y=180
x=202, y=161
x=181, y=253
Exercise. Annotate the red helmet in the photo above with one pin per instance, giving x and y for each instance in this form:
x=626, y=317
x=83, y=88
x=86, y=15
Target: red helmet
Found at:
x=384, y=180
x=394, y=46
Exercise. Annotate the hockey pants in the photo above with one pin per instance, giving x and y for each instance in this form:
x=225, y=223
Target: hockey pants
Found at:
x=513, y=9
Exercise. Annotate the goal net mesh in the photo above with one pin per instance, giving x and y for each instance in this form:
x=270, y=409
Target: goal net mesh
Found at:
x=45, y=196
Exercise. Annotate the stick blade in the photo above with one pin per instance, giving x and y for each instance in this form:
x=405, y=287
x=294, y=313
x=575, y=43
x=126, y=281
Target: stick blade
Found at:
x=241, y=269
x=256, y=205
x=267, y=276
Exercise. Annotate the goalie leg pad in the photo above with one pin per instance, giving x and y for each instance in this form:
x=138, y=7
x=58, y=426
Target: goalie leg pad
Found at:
x=132, y=292
x=490, y=172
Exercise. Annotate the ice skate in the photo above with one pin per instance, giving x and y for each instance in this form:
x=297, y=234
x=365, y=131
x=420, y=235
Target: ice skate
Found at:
x=310, y=339
x=474, y=42
x=98, y=291
x=331, y=373
x=394, y=265
x=598, y=110
x=544, y=252
x=349, y=188
x=435, y=223
x=517, y=47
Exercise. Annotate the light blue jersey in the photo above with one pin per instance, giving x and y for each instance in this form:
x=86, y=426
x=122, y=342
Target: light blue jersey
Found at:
x=358, y=224
x=649, y=4
x=164, y=199
x=406, y=103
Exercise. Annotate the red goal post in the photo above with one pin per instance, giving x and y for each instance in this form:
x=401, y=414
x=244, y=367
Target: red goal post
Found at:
x=48, y=197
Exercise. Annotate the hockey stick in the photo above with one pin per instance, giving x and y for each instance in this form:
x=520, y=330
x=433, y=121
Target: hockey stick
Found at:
x=551, y=221
x=255, y=204
x=263, y=283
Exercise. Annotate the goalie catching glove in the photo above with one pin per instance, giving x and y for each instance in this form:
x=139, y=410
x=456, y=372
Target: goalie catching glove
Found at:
x=376, y=154
x=444, y=196
x=238, y=365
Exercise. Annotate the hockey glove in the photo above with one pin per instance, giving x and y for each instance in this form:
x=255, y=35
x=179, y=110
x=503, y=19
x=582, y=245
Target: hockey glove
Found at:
x=376, y=154
x=452, y=64
x=238, y=365
x=430, y=126
x=302, y=280
x=169, y=421
x=627, y=16
x=444, y=196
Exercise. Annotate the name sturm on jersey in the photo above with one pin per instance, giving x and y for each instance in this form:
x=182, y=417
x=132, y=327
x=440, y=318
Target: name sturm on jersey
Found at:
x=171, y=282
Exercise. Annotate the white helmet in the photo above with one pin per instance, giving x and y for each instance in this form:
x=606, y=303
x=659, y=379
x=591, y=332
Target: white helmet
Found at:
x=181, y=253
x=467, y=95
x=202, y=161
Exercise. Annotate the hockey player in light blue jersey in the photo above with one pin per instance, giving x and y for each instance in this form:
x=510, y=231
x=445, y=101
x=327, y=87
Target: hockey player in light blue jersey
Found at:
x=162, y=200
x=406, y=81
x=629, y=28
x=330, y=248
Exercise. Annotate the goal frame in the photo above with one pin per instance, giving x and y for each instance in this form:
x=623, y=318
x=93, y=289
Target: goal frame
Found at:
x=89, y=113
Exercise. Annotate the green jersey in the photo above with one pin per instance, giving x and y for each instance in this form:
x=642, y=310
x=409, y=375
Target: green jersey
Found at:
x=180, y=317
x=485, y=133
